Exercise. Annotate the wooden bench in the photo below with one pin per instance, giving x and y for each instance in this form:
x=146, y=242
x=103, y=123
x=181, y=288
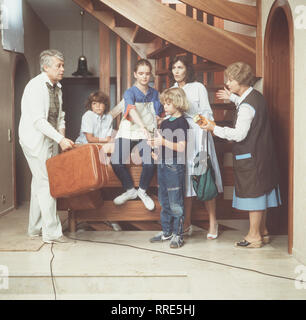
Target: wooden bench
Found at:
x=97, y=206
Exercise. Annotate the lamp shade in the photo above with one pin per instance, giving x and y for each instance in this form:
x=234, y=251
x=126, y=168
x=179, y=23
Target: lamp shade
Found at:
x=82, y=68
x=82, y=62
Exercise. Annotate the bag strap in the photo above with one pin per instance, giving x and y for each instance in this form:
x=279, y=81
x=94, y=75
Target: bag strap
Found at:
x=207, y=143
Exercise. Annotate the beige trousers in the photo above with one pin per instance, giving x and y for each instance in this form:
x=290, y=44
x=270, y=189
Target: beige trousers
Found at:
x=43, y=216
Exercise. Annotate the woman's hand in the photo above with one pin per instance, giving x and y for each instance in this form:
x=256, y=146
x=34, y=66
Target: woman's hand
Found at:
x=210, y=126
x=223, y=94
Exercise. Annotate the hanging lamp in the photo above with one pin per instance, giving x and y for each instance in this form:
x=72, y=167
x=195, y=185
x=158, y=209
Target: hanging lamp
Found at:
x=82, y=62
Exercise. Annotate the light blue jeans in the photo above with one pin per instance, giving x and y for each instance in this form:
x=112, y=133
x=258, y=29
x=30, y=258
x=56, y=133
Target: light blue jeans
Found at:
x=171, y=190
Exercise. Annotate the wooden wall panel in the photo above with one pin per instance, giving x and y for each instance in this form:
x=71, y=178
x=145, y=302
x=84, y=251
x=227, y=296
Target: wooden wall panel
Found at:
x=104, y=58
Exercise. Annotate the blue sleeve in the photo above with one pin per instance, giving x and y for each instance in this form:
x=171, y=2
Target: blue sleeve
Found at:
x=87, y=124
x=158, y=107
x=129, y=99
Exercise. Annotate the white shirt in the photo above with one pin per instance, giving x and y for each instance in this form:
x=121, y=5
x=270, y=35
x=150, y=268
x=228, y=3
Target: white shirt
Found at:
x=98, y=126
x=245, y=116
x=198, y=99
x=34, y=126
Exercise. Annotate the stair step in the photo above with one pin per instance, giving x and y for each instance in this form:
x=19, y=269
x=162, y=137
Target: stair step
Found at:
x=169, y=50
x=99, y=6
x=209, y=66
x=214, y=88
x=123, y=22
x=143, y=36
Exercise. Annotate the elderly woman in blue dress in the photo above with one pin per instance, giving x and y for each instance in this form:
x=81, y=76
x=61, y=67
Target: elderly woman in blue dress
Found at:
x=182, y=73
x=254, y=160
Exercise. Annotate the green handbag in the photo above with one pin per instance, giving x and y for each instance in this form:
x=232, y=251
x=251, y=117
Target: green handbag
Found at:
x=204, y=184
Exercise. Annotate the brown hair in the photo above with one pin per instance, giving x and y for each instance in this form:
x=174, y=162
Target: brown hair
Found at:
x=142, y=62
x=98, y=96
x=190, y=75
x=177, y=97
x=241, y=72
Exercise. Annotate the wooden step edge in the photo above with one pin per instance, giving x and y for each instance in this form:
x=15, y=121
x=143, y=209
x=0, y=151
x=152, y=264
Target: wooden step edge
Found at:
x=99, y=6
x=123, y=22
x=167, y=51
x=142, y=35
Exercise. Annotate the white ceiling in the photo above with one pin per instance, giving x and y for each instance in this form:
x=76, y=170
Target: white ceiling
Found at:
x=62, y=14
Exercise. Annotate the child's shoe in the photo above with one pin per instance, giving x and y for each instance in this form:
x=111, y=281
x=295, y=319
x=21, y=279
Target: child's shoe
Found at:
x=124, y=197
x=160, y=237
x=176, y=241
x=147, y=201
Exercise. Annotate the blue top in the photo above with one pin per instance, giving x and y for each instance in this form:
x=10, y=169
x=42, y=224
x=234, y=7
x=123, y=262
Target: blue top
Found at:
x=133, y=95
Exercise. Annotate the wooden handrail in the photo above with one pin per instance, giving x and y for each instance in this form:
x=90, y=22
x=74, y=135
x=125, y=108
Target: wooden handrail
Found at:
x=203, y=40
x=227, y=10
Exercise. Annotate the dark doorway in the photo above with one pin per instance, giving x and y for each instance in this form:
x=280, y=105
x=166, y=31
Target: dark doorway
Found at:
x=278, y=90
x=22, y=171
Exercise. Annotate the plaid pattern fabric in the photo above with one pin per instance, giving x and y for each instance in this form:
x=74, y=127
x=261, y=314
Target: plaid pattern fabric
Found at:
x=54, y=104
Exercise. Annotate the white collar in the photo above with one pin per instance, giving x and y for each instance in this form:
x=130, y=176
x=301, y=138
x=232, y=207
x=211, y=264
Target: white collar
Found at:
x=244, y=95
x=176, y=85
x=46, y=79
x=98, y=116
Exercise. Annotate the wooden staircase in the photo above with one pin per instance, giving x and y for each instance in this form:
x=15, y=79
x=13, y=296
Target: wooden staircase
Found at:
x=159, y=31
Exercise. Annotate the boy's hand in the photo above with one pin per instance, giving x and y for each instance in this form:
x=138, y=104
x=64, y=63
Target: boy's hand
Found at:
x=147, y=133
x=158, y=139
x=150, y=143
x=154, y=155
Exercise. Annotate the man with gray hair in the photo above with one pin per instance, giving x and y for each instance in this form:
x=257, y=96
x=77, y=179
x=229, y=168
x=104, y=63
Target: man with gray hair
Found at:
x=41, y=128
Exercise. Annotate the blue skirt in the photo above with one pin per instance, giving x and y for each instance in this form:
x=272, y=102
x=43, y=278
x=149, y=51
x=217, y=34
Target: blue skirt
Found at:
x=268, y=200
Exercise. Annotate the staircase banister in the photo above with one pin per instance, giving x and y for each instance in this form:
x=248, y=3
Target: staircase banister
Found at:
x=228, y=10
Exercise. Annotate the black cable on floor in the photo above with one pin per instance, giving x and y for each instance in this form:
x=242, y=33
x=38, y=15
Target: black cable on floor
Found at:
x=193, y=258
x=51, y=271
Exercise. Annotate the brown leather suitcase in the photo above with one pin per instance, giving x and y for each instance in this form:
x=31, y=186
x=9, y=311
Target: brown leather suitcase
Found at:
x=77, y=171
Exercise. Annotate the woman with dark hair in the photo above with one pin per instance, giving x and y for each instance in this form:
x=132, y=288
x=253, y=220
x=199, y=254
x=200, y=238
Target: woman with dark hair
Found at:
x=254, y=160
x=182, y=73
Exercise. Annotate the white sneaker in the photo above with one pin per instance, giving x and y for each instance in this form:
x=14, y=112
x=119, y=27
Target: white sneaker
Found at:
x=115, y=226
x=147, y=201
x=61, y=239
x=124, y=197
